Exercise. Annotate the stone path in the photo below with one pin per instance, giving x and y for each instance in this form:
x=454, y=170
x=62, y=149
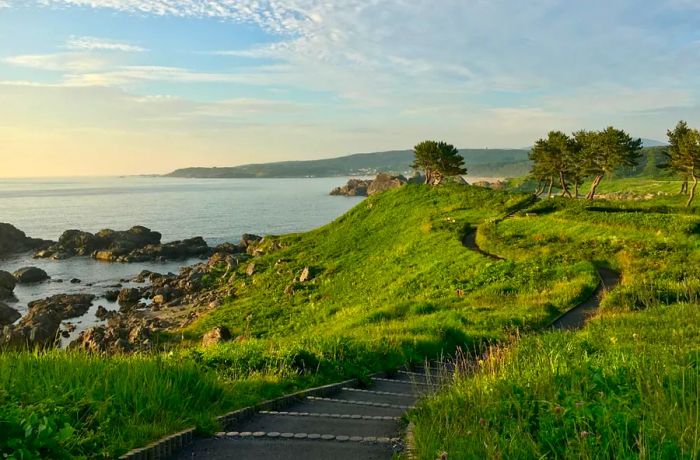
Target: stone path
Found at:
x=353, y=424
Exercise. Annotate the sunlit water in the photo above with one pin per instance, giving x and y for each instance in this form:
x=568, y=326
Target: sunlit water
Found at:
x=219, y=210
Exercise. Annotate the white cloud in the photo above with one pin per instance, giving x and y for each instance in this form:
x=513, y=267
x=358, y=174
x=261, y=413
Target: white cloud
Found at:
x=101, y=44
x=61, y=62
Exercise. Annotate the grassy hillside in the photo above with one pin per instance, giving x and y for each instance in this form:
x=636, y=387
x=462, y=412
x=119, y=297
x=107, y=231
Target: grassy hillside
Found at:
x=627, y=385
x=481, y=162
x=391, y=283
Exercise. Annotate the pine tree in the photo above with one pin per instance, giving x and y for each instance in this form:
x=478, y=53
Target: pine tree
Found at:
x=438, y=160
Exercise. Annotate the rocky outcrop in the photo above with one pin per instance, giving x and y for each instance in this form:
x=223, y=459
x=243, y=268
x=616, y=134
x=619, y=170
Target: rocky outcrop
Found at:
x=385, y=182
x=129, y=296
x=360, y=187
x=28, y=275
x=8, y=315
x=354, y=187
x=138, y=244
x=14, y=241
x=66, y=306
x=121, y=334
x=7, y=285
x=219, y=334
x=34, y=330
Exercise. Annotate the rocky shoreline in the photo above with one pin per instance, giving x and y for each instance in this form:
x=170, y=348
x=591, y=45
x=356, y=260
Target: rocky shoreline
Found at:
x=151, y=302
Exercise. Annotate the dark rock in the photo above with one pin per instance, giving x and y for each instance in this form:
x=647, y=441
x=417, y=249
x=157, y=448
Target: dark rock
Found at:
x=112, y=295
x=28, y=275
x=104, y=314
x=219, y=334
x=34, y=330
x=249, y=239
x=64, y=305
x=229, y=248
x=76, y=281
x=384, y=182
x=14, y=241
x=7, y=285
x=129, y=296
x=354, y=187
x=8, y=315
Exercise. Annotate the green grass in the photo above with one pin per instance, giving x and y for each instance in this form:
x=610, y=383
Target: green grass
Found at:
x=627, y=385
x=392, y=284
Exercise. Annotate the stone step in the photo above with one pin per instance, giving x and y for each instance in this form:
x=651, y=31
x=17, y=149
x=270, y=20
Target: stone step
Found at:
x=334, y=407
x=371, y=397
x=346, y=424
x=230, y=448
x=393, y=386
x=360, y=402
x=419, y=378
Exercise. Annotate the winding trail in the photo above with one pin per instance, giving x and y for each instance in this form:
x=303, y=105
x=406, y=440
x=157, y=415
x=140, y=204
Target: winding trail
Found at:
x=350, y=423
x=576, y=317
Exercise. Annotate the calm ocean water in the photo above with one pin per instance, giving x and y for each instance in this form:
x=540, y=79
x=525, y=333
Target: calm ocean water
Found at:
x=219, y=210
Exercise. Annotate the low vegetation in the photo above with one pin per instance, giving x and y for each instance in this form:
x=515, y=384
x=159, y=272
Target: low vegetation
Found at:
x=627, y=385
x=390, y=283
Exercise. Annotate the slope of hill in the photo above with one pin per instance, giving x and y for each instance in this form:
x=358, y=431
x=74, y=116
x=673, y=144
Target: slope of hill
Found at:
x=481, y=162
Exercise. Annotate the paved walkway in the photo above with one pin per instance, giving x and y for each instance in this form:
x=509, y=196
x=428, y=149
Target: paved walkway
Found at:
x=351, y=425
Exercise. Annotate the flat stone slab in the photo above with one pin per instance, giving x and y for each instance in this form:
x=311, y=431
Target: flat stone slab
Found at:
x=346, y=425
x=375, y=398
x=330, y=407
x=282, y=449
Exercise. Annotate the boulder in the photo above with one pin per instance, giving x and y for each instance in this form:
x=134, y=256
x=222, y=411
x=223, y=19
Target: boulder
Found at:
x=384, y=182
x=219, y=334
x=65, y=306
x=249, y=239
x=129, y=296
x=305, y=275
x=38, y=330
x=7, y=285
x=354, y=187
x=28, y=275
x=112, y=295
x=8, y=315
x=104, y=314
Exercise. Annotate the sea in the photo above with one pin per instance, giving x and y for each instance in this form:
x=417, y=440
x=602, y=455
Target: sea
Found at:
x=219, y=210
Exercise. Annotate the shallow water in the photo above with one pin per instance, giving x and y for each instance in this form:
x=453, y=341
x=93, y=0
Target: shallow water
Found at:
x=219, y=210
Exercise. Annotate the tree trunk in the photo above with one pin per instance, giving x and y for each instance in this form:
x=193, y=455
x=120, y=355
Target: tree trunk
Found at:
x=576, y=185
x=691, y=195
x=549, y=187
x=684, y=187
x=594, y=186
x=564, y=188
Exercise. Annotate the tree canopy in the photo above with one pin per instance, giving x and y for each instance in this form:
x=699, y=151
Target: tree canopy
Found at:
x=438, y=160
x=683, y=155
x=587, y=154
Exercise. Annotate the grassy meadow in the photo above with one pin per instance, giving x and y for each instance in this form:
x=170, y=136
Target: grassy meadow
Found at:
x=627, y=385
x=391, y=283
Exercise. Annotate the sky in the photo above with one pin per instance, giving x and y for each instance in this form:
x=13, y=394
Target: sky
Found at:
x=111, y=87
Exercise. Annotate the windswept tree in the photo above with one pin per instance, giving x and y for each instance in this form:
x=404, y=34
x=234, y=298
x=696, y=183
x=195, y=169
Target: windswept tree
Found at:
x=602, y=152
x=554, y=158
x=684, y=156
x=438, y=160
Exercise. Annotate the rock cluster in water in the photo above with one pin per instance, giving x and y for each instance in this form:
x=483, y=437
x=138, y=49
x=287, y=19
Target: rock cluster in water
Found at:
x=138, y=244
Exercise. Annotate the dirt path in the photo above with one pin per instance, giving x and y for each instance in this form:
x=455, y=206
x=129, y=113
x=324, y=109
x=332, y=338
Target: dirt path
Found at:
x=576, y=317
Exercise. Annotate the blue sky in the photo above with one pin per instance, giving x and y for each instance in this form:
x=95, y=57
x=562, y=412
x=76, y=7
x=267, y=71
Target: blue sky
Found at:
x=137, y=86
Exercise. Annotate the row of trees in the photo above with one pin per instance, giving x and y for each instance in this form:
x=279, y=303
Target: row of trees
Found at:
x=568, y=161
x=571, y=160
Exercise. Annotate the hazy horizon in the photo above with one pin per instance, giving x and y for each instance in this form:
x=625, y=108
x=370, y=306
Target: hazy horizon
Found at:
x=131, y=87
